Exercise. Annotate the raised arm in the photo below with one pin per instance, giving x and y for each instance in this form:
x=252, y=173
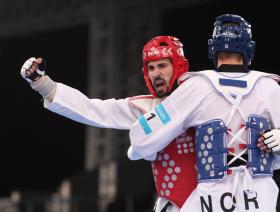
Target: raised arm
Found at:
x=71, y=103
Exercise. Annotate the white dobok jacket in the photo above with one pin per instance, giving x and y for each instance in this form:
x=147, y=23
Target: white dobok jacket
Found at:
x=228, y=104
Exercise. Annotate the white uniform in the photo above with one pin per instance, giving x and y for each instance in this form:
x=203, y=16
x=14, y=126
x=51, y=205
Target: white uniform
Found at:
x=111, y=113
x=210, y=101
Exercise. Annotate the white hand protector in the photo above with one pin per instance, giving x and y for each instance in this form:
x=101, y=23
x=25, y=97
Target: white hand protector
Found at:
x=28, y=73
x=272, y=139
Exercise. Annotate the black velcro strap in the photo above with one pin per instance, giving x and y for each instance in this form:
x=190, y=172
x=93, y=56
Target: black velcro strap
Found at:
x=237, y=162
x=165, y=207
x=43, y=65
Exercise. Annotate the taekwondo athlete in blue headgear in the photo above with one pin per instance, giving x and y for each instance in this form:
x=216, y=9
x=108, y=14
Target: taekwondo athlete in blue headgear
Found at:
x=231, y=107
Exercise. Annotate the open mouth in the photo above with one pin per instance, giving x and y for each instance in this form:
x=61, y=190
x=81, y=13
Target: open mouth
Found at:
x=159, y=83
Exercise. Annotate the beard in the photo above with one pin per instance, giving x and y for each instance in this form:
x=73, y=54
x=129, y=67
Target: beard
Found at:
x=160, y=87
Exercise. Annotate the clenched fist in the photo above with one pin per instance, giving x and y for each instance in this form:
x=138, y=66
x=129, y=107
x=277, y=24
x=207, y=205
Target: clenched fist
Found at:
x=270, y=141
x=33, y=69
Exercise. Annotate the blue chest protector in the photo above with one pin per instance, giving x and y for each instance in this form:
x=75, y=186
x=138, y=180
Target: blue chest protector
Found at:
x=212, y=146
x=211, y=151
x=259, y=162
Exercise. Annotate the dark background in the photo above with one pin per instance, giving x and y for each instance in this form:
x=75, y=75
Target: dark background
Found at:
x=194, y=26
x=39, y=149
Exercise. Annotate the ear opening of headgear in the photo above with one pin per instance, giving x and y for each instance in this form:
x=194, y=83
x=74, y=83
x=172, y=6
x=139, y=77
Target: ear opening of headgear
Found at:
x=164, y=47
x=232, y=33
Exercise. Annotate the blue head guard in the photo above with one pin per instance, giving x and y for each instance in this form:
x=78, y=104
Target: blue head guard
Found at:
x=232, y=34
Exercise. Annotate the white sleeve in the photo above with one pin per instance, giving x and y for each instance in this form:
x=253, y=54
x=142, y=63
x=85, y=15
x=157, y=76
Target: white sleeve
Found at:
x=273, y=102
x=270, y=90
x=133, y=155
x=72, y=104
x=156, y=129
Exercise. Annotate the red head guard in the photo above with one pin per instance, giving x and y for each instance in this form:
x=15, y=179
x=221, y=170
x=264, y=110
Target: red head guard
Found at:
x=165, y=47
